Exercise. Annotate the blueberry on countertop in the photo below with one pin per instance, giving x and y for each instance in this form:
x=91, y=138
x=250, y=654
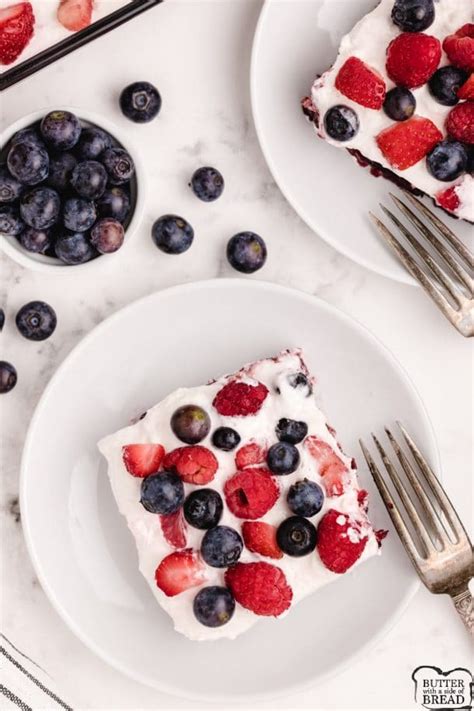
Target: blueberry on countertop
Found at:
x=118, y=164
x=36, y=320
x=305, y=498
x=107, y=235
x=214, y=606
x=74, y=248
x=28, y=163
x=2, y=319
x=40, y=208
x=89, y=179
x=140, y=101
x=225, y=438
x=292, y=431
x=8, y=376
x=341, y=123
x=60, y=130
x=413, y=15
x=10, y=221
x=172, y=234
x=444, y=84
x=221, y=547
x=448, y=160
x=296, y=536
x=203, y=508
x=246, y=252
x=162, y=493
x=207, y=184
x=190, y=424
x=399, y=104
x=283, y=458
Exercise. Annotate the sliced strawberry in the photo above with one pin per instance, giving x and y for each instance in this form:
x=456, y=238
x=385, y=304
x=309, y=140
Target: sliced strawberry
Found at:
x=174, y=528
x=251, y=493
x=194, y=464
x=260, y=587
x=330, y=467
x=16, y=29
x=260, y=537
x=460, y=47
x=75, y=15
x=250, y=454
x=340, y=541
x=406, y=143
x=180, y=571
x=448, y=199
x=238, y=399
x=142, y=459
x=467, y=89
x=460, y=122
x=361, y=83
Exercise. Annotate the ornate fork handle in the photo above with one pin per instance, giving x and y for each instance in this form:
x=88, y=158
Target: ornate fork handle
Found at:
x=465, y=607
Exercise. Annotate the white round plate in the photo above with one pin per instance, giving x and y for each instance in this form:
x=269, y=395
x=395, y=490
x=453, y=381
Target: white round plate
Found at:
x=295, y=40
x=82, y=551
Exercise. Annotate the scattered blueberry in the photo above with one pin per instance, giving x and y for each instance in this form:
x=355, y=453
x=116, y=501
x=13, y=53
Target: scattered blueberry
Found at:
x=341, y=123
x=214, y=606
x=172, y=234
x=92, y=143
x=162, y=493
x=296, y=536
x=10, y=221
x=60, y=170
x=444, y=84
x=246, y=252
x=28, y=135
x=299, y=381
x=190, y=423
x=413, y=15
x=448, y=160
x=60, y=130
x=203, y=508
x=291, y=431
x=74, y=248
x=399, y=104
x=36, y=320
x=2, y=319
x=37, y=241
x=40, y=208
x=225, y=438
x=10, y=187
x=79, y=214
x=221, y=547
x=28, y=163
x=207, y=184
x=8, y=376
x=283, y=458
x=89, y=179
x=118, y=164
x=140, y=101
x=305, y=498
x=115, y=203
x=107, y=235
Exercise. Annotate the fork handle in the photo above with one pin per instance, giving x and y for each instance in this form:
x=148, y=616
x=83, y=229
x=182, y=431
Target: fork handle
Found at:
x=464, y=605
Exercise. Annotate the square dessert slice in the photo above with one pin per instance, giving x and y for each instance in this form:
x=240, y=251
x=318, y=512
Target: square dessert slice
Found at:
x=240, y=499
x=399, y=98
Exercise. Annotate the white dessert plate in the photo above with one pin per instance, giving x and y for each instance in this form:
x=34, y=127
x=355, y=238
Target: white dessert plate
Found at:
x=294, y=41
x=80, y=546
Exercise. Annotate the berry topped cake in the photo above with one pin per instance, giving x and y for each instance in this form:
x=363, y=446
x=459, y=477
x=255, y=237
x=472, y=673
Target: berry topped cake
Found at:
x=240, y=498
x=400, y=98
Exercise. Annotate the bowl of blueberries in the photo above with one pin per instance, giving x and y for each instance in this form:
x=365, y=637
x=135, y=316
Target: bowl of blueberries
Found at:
x=71, y=190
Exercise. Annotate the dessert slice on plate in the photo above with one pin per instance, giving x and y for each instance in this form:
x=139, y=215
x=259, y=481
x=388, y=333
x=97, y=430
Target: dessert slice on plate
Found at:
x=240, y=499
x=400, y=98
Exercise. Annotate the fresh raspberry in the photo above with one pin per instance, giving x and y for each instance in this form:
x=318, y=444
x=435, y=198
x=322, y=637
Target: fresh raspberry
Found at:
x=260, y=537
x=74, y=15
x=239, y=399
x=195, y=464
x=361, y=83
x=340, y=543
x=412, y=58
x=250, y=454
x=174, y=528
x=467, y=89
x=330, y=467
x=260, y=587
x=16, y=29
x=180, y=571
x=460, y=48
x=142, y=459
x=251, y=493
x=460, y=123
x=448, y=199
x=407, y=142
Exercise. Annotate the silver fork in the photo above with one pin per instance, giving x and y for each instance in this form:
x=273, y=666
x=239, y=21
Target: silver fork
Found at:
x=440, y=551
x=448, y=276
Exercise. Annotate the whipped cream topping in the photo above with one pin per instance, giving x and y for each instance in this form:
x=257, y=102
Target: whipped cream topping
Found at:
x=304, y=575
x=368, y=41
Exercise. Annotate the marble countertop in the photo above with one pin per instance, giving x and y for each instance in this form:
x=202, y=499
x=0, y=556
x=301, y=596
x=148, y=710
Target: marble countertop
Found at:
x=206, y=119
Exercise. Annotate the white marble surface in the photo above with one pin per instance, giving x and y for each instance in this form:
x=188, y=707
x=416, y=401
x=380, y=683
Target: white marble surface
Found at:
x=206, y=119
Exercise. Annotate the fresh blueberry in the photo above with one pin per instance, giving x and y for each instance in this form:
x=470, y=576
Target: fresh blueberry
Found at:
x=37, y=241
x=214, y=606
x=299, y=381
x=60, y=170
x=283, y=458
x=89, y=179
x=296, y=536
x=8, y=376
x=341, y=123
x=28, y=135
x=40, y=208
x=172, y=234
x=444, y=84
x=399, y=104
x=28, y=163
x=2, y=319
x=225, y=438
x=292, y=431
x=190, y=423
x=60, y=130
x=140, y=101
x=79, y=214
x=246, y=252
x=413, y=15
x=107, y=235
x=207, y=184
x=118, y=164
x=10, y=221
x=74, y=248
x=448, y=160
x=36, y=320
x=115, y=203
x=221, y=547
x=305, y=498
x=203, y=508
x=92, y=143
x=162, y=493
x=10, y=187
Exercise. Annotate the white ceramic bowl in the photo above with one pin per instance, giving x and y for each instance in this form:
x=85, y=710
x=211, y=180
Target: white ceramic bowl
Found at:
x=12, y=247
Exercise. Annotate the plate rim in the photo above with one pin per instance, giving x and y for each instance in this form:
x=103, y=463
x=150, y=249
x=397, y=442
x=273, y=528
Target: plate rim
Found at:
x=163, y=687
